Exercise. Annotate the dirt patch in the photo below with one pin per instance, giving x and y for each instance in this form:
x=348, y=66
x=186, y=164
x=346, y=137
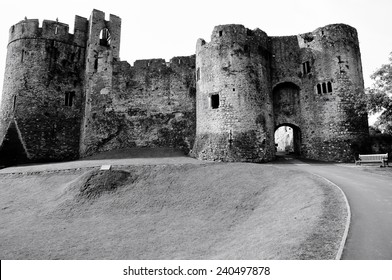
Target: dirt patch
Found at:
x=94, y=183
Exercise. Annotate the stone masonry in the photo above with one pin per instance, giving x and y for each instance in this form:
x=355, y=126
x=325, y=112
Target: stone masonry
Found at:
x=67, y=96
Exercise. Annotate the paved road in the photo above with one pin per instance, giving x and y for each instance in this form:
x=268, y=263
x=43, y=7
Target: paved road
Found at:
x=370, y=198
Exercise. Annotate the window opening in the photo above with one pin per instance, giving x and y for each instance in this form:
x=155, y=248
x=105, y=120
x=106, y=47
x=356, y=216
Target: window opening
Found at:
x=104, y=38
x=14, y=103
x=66, y=98
x=324, y=88
x=306, y=67
x=56, y=30
x=220, y=33
x=329, y=86
x=69, y=96
x=319, y=89
x=215, y=101
x=198, y=74
x=96, y=64
x=21, y=60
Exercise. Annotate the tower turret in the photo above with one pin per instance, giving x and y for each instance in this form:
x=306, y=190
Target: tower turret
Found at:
x=103, y=48
x=233, y=96
x=41, y=107
x=335, y=126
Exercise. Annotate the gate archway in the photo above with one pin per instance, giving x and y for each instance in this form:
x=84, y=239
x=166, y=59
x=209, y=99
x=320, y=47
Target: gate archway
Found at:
x=288, y=139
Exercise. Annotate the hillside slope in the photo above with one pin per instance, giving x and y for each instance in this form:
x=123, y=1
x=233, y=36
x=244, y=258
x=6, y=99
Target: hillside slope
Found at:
x=204, y=211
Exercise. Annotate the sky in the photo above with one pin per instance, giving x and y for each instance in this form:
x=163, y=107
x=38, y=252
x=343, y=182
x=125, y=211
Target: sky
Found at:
x=168, y=28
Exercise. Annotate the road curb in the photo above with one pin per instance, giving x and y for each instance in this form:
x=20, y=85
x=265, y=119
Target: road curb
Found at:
x=348, y=221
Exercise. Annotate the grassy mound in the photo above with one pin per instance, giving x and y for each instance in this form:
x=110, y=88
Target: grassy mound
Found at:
x=208, y=211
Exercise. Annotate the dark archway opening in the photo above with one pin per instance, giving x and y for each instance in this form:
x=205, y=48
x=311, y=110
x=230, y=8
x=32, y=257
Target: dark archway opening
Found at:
x=105, y=38
x=288, y=139
x=286, y=101
x=12, y=151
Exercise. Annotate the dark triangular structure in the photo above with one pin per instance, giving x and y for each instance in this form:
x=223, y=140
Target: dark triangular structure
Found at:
x=12, y=150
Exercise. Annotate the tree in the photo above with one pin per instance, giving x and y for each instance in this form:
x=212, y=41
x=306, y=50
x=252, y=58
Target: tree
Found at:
x=379, y=96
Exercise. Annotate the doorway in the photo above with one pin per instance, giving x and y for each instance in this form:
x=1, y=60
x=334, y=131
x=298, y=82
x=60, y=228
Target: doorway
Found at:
x=288, y=140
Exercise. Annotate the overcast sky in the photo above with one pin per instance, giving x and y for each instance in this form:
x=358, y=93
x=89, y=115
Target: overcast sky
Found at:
x=167, y=28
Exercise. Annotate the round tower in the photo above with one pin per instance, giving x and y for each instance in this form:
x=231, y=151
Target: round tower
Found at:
x=337, y=82
x=41, y=107
x=233, y=96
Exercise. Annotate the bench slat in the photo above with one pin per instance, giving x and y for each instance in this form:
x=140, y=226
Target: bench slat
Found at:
x=383, y=158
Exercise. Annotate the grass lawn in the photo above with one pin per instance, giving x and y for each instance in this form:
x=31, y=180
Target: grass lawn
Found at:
x=183, y=211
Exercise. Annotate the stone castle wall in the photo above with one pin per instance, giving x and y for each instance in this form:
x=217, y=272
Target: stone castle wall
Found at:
x=308, y=82
x=44, y=70
x=151, y=104
x=69, y=95
x=234, y=68
x=331, y=129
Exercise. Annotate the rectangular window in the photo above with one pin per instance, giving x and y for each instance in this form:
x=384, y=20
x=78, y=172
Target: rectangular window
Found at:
x=198, y=74
x=66, y=98
x=69, y=96
x=14, y=103
x=329, y=86
x=319, y=89
x=306, y=67
x=215, y=101
x=324, y=88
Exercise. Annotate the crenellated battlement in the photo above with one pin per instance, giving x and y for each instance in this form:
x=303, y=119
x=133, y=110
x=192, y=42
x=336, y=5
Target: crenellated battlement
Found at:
x=337, y=31
x=50, y=30
x=238, y=38
x=230, y=33
x=97, y=24
x=160, y=63
x=328, y=35
x=156, y=63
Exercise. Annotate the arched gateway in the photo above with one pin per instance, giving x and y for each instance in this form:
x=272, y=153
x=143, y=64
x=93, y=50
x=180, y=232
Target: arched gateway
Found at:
x=288, y=139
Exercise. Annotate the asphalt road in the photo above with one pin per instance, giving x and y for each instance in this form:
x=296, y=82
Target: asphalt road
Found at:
x=370, y=198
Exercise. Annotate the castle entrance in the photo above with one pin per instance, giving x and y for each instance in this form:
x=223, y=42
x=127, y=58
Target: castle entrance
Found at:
x=288, y=139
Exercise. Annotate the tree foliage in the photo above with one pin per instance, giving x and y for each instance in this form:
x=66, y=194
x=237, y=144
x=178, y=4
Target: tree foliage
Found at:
x=379, y=96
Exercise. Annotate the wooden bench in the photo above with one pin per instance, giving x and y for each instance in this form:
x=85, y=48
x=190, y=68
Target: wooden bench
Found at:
x=382, y=158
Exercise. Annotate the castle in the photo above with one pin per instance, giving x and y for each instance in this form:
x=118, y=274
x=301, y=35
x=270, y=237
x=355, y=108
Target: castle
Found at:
x=67, y=96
